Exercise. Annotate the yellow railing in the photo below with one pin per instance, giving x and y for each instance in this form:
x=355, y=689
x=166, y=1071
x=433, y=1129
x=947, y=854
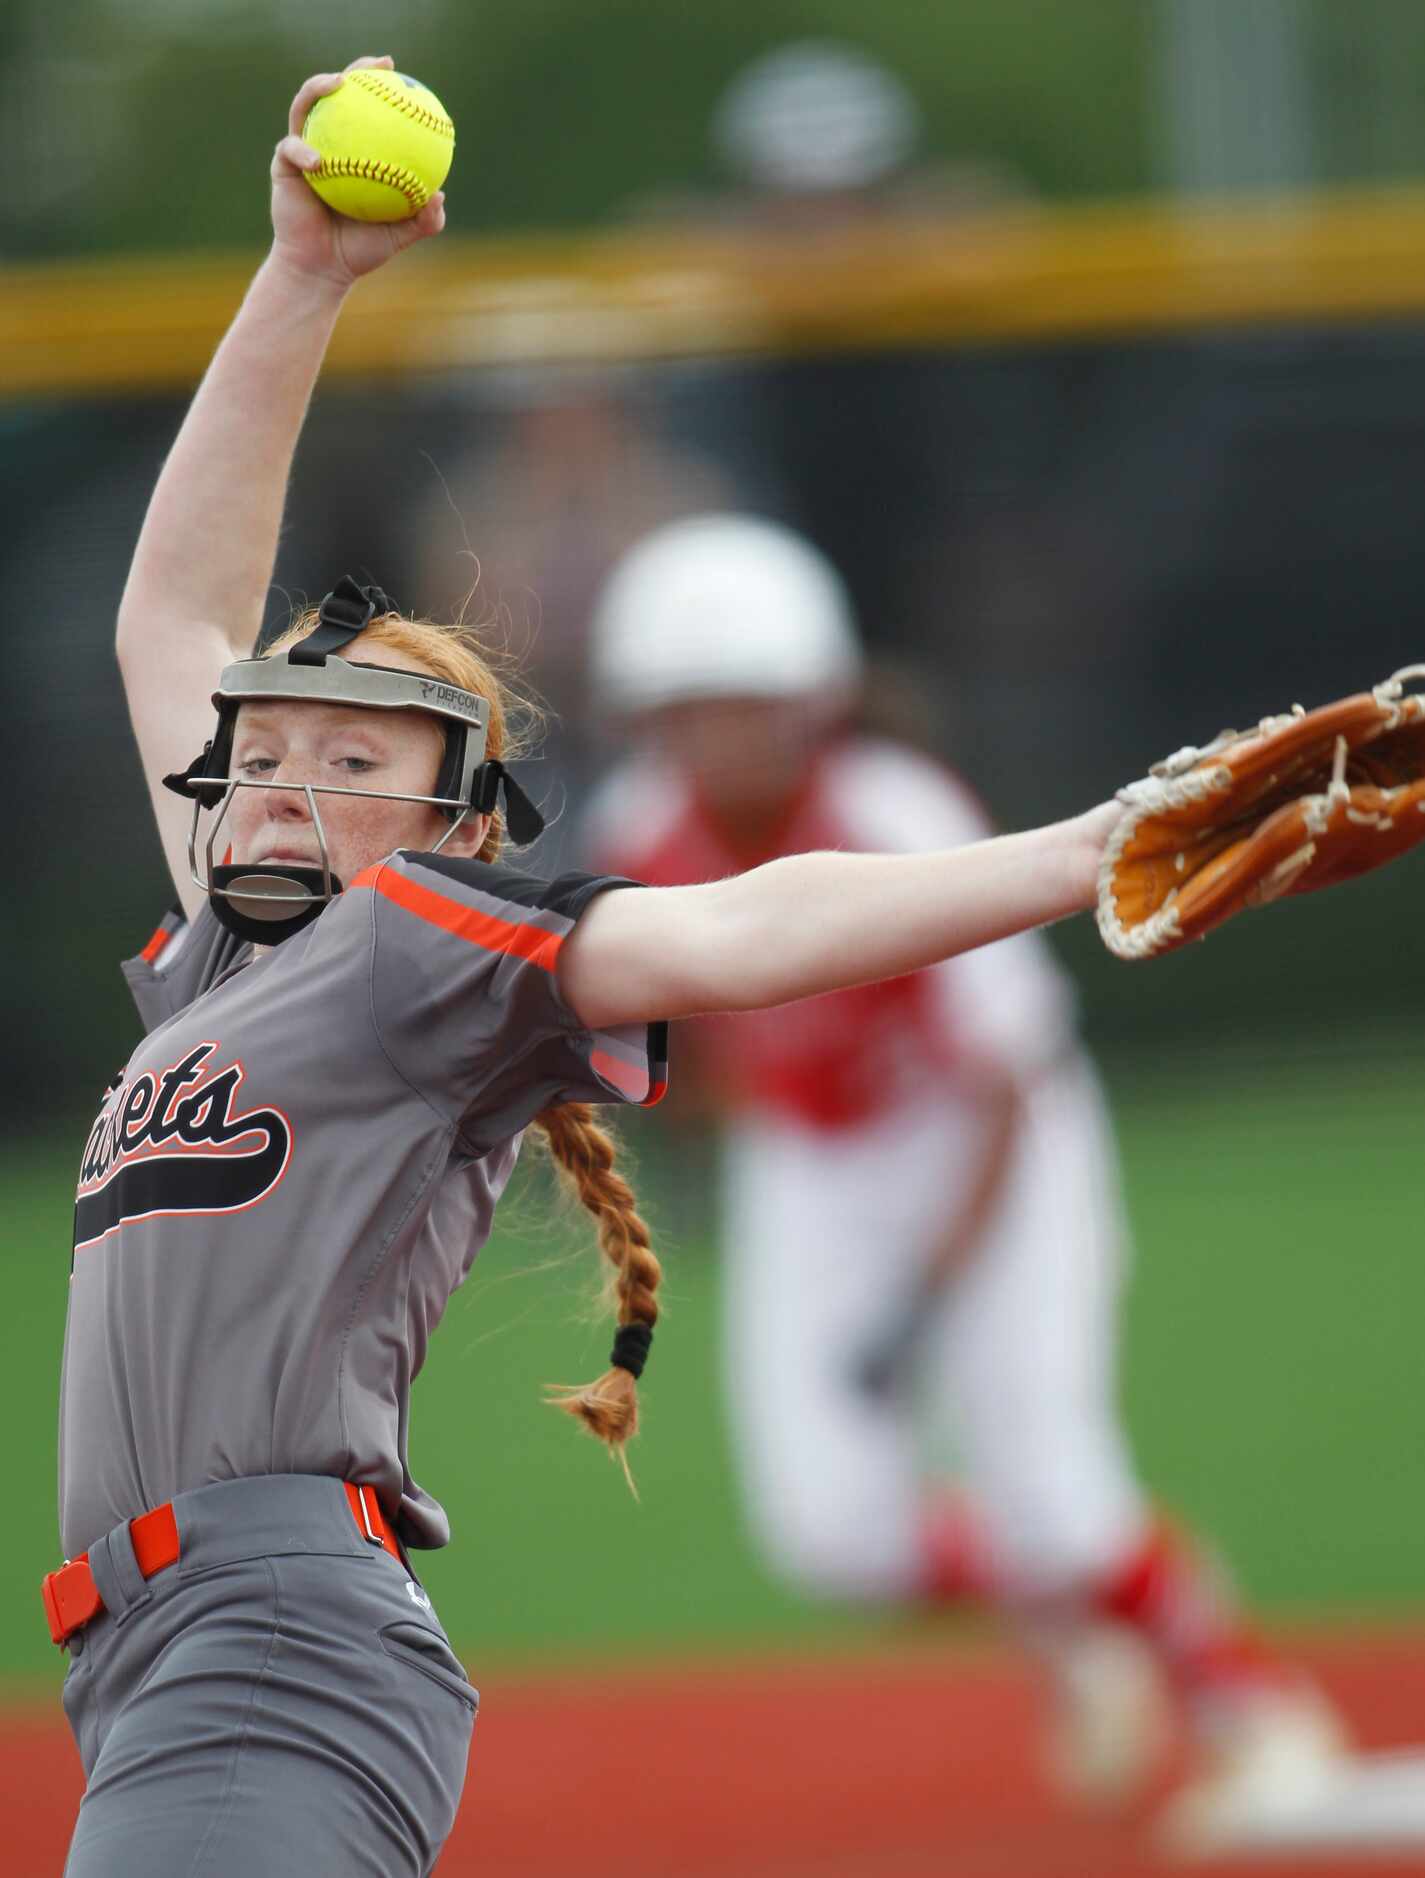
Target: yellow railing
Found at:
x=1030, y=276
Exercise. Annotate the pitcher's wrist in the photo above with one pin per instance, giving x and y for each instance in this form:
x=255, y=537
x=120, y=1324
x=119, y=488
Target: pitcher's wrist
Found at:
x=317, y=288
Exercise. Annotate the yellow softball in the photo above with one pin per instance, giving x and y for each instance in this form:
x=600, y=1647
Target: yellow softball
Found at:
x=385, y=144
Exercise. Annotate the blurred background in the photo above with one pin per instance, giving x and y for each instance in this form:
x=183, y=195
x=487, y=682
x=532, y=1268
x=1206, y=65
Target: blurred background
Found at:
x=1089, y=343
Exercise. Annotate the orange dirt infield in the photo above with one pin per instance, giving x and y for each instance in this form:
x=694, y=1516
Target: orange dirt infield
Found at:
x=896, y=1767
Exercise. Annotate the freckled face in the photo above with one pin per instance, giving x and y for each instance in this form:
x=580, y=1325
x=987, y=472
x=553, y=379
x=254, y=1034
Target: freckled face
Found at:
x=333, y=746
x=338, y=746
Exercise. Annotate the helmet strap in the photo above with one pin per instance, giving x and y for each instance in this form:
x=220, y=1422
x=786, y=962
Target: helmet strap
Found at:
x=522, y=818
x=346, y=611
x=189, y=782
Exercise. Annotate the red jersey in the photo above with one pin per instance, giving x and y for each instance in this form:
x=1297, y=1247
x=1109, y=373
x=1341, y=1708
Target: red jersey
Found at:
x=835, y=1061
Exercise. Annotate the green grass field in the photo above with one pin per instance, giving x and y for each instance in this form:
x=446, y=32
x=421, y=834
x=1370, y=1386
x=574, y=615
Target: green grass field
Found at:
x=1270, y=1375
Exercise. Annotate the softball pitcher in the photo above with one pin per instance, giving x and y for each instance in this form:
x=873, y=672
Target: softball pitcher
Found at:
x=922, y=1235
x=352, y=1016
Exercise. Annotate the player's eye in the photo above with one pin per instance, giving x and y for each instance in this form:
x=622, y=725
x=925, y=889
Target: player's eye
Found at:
x=256, y=765
x=357, y=765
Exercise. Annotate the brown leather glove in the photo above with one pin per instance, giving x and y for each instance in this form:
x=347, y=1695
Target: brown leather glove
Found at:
x=1302, y=801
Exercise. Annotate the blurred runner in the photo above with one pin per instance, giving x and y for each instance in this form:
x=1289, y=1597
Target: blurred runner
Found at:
x=922, y=1230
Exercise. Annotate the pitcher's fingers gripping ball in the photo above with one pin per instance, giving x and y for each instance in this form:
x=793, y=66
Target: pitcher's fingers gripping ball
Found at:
x=386, y=145
x=1303, y=801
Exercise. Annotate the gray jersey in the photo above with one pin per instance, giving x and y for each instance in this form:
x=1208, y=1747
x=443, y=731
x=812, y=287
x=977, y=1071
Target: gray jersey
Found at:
x=295, y=1172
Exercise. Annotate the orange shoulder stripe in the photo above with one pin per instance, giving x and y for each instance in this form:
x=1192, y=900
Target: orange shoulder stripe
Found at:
x=155, y=945
x=479, y=929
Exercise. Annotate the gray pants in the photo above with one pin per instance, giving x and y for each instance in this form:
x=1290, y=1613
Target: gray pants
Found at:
x=282, y=1701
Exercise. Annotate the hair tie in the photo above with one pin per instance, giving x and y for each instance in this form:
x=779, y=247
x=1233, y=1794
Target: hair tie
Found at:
x=630, y=1349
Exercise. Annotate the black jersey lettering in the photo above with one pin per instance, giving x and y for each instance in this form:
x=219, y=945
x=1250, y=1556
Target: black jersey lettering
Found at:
x=172, y=1142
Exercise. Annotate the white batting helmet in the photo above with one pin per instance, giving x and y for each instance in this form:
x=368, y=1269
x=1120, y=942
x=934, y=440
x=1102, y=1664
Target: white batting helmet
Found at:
x=815, y=115
x=722, y=606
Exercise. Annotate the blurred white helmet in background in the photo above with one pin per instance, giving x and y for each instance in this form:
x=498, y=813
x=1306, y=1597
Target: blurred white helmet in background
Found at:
x=722, y=606
x=815, y=115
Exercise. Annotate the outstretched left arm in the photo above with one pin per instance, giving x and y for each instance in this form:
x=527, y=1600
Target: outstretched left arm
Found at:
x=818, y=922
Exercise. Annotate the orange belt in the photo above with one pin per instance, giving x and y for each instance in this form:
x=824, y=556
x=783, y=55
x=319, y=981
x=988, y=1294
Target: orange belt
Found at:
x=71, y=1596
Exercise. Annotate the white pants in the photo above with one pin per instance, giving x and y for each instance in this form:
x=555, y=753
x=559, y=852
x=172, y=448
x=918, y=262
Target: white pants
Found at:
x=822, y=1231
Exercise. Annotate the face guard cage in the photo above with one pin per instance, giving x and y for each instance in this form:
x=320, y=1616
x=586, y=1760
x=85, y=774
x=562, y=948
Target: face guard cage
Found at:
x=267, y=901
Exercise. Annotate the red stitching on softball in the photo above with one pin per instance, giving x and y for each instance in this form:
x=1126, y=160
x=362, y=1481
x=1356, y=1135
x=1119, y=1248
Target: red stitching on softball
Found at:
x=409, y=184
x=370, y=81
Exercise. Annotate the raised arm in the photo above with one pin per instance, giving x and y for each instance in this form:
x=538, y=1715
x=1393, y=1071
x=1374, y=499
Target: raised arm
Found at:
x=816, y=922
x=198, y=584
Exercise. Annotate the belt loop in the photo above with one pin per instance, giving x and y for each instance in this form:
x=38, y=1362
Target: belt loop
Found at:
x=120, y=1582
x=371, y=1533
x=361, y=1513
x=372, y=1521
